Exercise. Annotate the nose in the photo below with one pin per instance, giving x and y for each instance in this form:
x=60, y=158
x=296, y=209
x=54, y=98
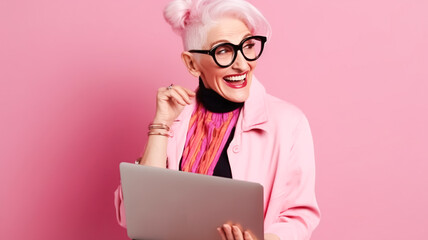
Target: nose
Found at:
x=240, y=62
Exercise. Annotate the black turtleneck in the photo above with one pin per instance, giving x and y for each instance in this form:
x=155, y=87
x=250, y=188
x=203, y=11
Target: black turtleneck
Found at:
x=213, y=102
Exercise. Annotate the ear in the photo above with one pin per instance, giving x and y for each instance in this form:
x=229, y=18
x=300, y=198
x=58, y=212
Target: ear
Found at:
x=190, y=62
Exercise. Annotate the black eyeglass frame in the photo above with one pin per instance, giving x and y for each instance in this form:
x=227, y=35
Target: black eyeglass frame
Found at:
x=236, y=48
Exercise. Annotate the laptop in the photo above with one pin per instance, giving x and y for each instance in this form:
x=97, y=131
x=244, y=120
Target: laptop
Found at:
x=164, y=204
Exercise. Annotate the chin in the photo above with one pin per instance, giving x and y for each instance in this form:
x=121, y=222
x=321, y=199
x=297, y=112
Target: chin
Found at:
x=237, y=97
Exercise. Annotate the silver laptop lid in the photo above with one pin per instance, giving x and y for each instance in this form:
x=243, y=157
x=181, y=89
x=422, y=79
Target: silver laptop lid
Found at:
x=167, y=204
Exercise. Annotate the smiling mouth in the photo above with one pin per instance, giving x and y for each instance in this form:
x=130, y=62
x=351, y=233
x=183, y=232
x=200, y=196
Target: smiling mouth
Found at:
x=237, y=80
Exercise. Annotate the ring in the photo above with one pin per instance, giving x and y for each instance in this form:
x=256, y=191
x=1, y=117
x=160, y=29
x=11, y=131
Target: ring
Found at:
x=170, y=86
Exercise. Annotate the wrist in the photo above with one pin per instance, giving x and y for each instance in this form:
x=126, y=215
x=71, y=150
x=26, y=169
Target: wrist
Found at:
x=161, y=120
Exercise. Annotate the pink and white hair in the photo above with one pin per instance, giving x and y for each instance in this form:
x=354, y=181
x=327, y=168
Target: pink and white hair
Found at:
x=192, y=19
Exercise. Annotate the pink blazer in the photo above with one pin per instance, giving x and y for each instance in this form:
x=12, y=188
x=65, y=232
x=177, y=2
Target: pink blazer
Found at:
x=273, y=146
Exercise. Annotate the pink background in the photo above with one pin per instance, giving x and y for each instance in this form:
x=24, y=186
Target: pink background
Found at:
x=78, y=81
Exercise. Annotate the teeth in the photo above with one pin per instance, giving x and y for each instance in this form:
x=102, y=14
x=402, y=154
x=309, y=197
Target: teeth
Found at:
x=236, y=78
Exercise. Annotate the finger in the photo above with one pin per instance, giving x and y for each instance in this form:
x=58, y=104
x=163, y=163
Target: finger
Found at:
x=176, y=97
x=161, y=91
x=247, y=236
x=190, y=92
x=237, y=233
x=186, y=90
x=184, y=94
x=228, y=231
x=222, y=234
x=163, y=94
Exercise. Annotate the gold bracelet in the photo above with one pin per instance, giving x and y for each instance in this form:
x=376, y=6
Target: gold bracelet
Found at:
x=159, y=133
x=158, y=126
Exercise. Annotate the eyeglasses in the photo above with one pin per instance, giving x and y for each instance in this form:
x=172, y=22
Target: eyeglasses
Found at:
x=225, y=54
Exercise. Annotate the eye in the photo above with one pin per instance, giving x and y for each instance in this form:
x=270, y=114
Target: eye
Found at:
x=223, y=50
x=249, y=45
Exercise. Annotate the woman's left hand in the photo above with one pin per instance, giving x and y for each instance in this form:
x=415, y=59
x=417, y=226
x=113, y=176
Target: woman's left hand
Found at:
x=228, y=232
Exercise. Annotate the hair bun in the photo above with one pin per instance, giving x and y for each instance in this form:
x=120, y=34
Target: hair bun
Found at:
x=177, y=13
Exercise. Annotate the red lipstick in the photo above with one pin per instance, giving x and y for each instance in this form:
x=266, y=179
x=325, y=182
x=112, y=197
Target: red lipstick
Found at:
x=236, y=83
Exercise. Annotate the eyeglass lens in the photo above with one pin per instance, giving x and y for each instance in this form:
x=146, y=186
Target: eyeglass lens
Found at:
x=225, y=53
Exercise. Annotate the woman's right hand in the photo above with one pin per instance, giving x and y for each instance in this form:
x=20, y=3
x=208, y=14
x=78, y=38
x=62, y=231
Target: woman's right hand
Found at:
x=170, y=102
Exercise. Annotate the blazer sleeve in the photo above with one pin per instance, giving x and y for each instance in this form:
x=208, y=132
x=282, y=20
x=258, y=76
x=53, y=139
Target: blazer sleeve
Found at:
x=293, y=202
x=120, y=209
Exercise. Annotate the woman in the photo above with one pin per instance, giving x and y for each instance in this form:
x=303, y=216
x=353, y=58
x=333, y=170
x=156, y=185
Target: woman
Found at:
x=231, y=127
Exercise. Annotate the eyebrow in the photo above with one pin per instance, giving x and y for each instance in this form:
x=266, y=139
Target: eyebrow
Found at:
x=226, y=41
